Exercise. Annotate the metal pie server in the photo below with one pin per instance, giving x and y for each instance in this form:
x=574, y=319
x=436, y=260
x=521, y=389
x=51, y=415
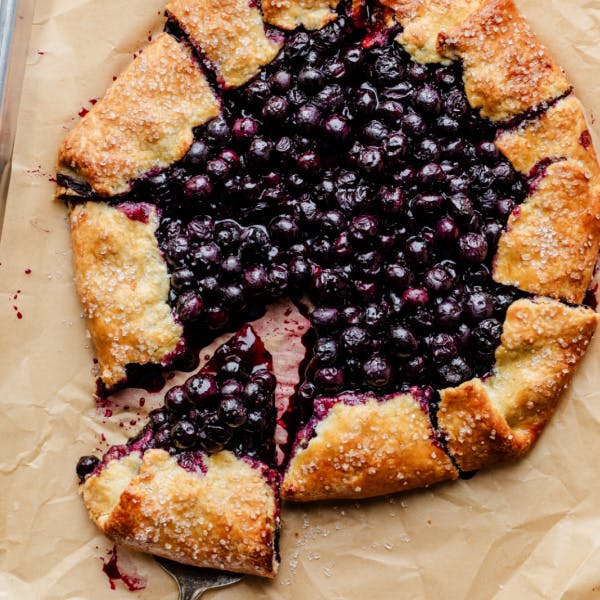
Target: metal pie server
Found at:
x=15, y=30
x=192, y=581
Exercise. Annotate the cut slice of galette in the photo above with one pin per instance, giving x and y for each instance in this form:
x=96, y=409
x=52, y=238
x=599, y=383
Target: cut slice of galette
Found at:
x=416, y=176
x=197, y=484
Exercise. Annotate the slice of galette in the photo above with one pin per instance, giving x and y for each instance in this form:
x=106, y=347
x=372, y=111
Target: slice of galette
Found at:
x=196, y=485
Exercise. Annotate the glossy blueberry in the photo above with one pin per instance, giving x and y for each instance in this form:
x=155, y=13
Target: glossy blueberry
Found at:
x=86, y=465
x=201, y=388
x=377, y=371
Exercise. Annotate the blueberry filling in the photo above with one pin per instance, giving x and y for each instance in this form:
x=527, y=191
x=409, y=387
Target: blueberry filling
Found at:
x=347, y=173
x=227, y=405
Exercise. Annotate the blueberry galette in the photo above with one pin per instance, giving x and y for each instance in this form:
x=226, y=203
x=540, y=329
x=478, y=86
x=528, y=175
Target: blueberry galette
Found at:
x=415, y=177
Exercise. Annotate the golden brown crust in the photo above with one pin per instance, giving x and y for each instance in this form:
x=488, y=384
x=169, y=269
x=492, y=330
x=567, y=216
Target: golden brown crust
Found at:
x=561, y=132
x=230, y=33
x=223, y=518
x=552, y=240
x=424, y=20
x=368, y=449
x=501, y=417
x=289, y=14
x=144, y=121
x=506, y=69
x=123, y=285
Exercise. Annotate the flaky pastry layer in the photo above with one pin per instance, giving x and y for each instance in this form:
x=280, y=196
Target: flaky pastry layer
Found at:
x=561, y=132
x=289, y=14
x=222, y=518
x=506, y=69
x=551, y=242
x=230, y=33
x=123, y=284
x=143, y=122
x=424, y=20
x=368, y=449
x=501, y=417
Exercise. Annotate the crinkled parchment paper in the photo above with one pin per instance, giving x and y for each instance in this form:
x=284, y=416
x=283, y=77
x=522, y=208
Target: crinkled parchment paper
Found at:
x=527, y=530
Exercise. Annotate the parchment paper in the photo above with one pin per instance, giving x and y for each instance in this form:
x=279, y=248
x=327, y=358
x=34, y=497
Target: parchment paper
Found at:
x=527, y=530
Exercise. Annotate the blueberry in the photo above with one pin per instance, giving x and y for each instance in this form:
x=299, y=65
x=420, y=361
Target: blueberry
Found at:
x=184, y=434
x=446, y=230
x=377, y=371
x=213, y=438
x=182, y=279
x=255, y=393
x=398, y=276
x=308, y=118
x=177, y=249
x=255, y=278
x=473, y=247
x=232, y=412
x=201, y=388
x=277, y=279
x=86, y=465
x=329, y=379
x=218, y=169
x=276, y=109
x=487, y=334
x=325, y=318
x=428, y=100
x=438, y=280
x=479, y=306
x=310, y=79
x=370, y=160
x=337, y=127
x=375, y=132
x=365, y=102
x=402, y=341
x=448, y=313
x=415, y=296
x=391, y=111
x=326, y=351
x=281, y=81
x=218, y=132
x=189, y=307
x=329, y=284
x=417, y=249
x=260, y=151
x=197, y=155
x=443, y=347
x=176, y=400
x=355, y=340
x=363, y=230
x=454, y=373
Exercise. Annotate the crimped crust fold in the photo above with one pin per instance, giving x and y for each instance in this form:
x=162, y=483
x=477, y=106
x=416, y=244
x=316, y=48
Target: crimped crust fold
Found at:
x=123, y=285
x=506, y=69
x=143, y=122
x=224, y=517
x=560, y=132
x=289, y=14
x=368, y=449
x=229, y=33
x=424, y=20
x=501, y=417
x=551, y=242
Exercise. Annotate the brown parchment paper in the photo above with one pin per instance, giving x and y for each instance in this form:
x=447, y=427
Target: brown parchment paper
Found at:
x=527, y=530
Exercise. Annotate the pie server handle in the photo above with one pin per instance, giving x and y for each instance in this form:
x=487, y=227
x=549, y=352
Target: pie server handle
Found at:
x=192, y=581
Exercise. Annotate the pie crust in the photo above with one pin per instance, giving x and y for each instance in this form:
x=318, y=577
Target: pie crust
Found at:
x=501, y=417
x=225, y=517
x=144, y=121
x=354, y=449
x=123, y=284
x=370, y=448
x=230, y=33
